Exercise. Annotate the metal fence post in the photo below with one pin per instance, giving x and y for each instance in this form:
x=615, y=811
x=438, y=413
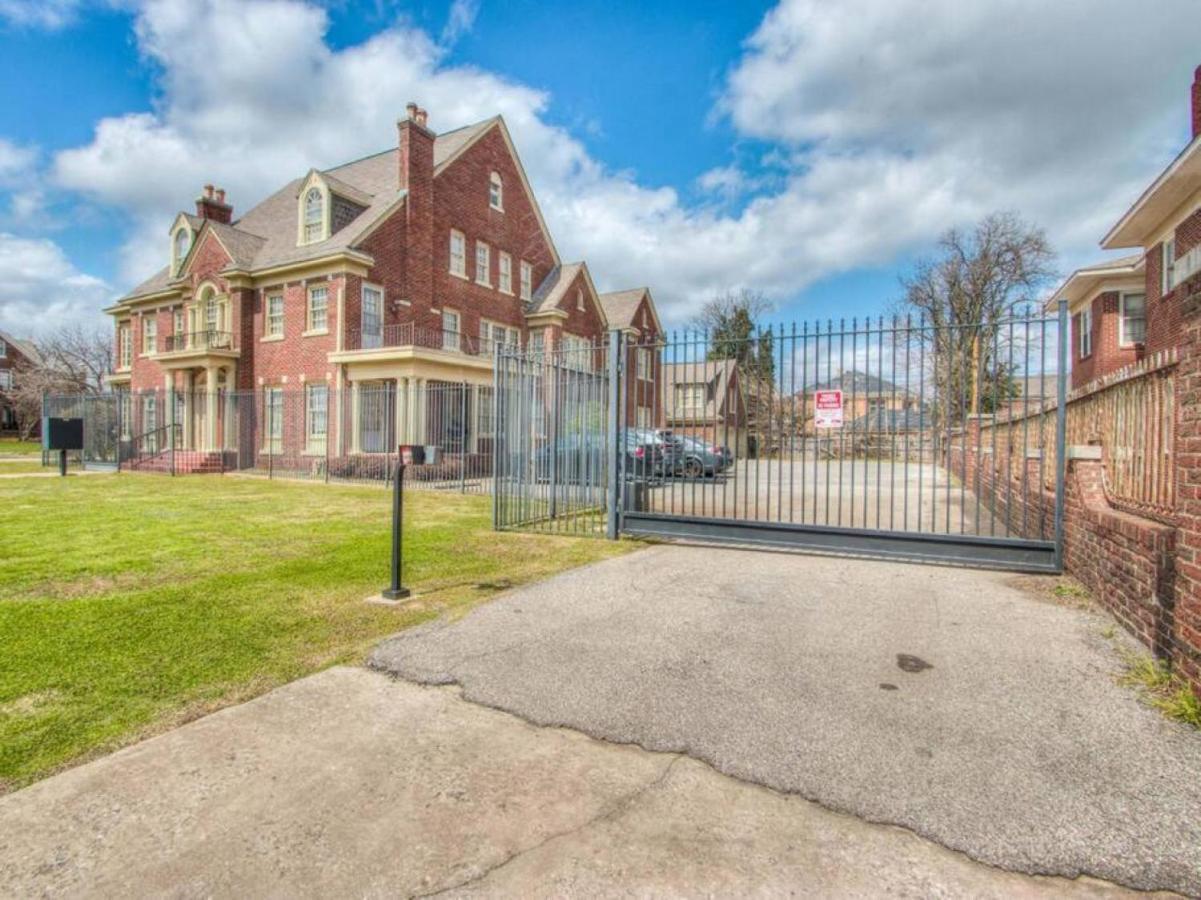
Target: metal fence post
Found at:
x=463, y=438
x=616, y=446
x=1061, y=419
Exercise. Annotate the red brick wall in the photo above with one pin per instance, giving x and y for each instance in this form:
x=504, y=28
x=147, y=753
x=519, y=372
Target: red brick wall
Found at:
x=1187, y=613
x=461, y=202
x=1107, y=354
x=297, y=354
x=1163, y=312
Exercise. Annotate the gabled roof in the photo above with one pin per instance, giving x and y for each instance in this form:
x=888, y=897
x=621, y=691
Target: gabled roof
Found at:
x=862, y=384
x=22, y=346
x=716, y=372
x=265, y=236
x=1180, y=179
x=553, y=288
x=1085, y=282
x=621, y=307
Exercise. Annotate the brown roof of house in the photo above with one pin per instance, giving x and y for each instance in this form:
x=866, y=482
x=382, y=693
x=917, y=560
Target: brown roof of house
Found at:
x=620, y=306
x=266, y=235
x=550, y=292
x=719, y=372
x=24, y=347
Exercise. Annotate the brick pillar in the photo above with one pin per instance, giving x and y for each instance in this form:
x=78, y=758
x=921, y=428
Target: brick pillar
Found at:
x=1187, y=613
x=416, y=175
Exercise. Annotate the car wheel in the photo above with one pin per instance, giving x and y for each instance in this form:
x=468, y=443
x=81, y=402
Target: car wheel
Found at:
x=693, y=468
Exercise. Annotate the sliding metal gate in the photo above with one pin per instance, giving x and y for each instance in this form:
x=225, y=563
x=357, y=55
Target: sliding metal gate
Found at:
x=905, y=438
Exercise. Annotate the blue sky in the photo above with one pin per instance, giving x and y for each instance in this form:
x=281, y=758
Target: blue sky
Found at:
x=806, y=149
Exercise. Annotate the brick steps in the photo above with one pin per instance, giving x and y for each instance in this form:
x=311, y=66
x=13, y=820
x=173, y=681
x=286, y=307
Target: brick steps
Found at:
x=187, y=462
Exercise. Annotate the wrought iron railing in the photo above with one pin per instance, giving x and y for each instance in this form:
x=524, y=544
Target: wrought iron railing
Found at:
x=198, y=340
x=409, y=334
x=156, y=442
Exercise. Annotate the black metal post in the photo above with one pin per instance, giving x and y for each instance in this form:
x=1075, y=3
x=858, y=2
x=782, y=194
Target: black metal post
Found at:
x=394, y=591
x=62, y=463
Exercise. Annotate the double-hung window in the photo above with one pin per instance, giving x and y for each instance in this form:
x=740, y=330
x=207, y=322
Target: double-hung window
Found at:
x=527, y=280
x=273, y=406
x=1168, y=266
x=373, y=316
x=450, y=330
x=318, y=308
x=458, y=254
x=177, y=327
x=149, y=334
x=314, y=215
x=642, y=360
x=483, y=264
x=1132, y=322
x=505, y=263
x=496, y=192
x=1084, y=322
x=485, y=422
x=275, y=315
x=124, y=347
x=316, y=416
x=6, y=379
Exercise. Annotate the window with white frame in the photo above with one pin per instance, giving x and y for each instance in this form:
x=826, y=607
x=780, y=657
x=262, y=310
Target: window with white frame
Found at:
x=505, y=262
x=483, y=264
x=1132, y=322
x=484, y=419
x=494, y=336
x=6, y=379
x=643, y=416
x=1168, y=266
x=125, y=412
x=3, y=349
x=458, y=254
x=275, y=315
x=124, y=346
x=178, y=324
x=642, y=363
x=527, y=280
x=373, y=316
x=577, y=353
x=318, y=318
x=689, y=397
x=316, y=416
x=450, y=330
x=150, y=420
x=1084, y=322
x=496, y=192
x=149, y=334
x=537, y=343
x=273, y=407
x=179, y=248
x=314, y=215
x=579, y=299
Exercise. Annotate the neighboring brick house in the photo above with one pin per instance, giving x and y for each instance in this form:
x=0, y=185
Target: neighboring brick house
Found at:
x=704, y=399
x=15, y=355
x=1125, y=309
x=396, y=272
x=868, y=403
x=634, y=313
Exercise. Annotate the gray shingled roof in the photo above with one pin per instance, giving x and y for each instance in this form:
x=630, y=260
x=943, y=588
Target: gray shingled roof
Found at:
x=266, y=235
x=22, y=346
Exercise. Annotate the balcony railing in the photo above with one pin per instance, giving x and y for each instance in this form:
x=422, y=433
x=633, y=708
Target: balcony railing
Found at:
x=198, y=340
x=408, y=334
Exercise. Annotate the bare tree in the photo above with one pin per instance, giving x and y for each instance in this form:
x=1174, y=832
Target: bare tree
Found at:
x=72, y=359
x=976, y=282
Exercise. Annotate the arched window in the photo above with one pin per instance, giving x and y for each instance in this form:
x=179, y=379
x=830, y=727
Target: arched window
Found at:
x=496, y=192
x=314, y=215
x=183, y=240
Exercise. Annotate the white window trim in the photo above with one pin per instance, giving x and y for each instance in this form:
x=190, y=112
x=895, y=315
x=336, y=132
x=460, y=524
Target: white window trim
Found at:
x=1122, y=341
x=526, y=281
x=1167, y=263
x=1085, y=318
x=124, y=346
x=452, y=339
x=504, y=285
x=272, y=443
x=315, y=445
x=450, y=249
x=176, y=258
x=151, y=333
x=579, y=299
x=6, y=379
x=320, y=185
x=310, y=330
x=3, y=349
x=486, y=272
x=495, y=179
x=268, y=334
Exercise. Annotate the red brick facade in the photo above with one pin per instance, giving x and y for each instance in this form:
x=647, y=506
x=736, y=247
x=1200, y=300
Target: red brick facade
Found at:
x=1108, y=353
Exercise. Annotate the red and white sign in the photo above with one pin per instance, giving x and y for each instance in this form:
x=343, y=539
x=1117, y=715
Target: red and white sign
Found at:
x=827, y=409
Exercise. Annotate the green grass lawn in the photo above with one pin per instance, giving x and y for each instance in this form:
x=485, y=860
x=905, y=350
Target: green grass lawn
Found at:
x=13, y=447
x=23, y=467
x=129, y=604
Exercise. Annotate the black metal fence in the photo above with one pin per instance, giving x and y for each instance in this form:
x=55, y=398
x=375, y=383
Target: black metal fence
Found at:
x=311, y=432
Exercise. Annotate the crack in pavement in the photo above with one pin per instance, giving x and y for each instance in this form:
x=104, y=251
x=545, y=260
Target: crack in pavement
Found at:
x=615, y=808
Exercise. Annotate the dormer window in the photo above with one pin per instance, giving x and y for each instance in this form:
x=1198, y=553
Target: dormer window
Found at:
x=180, y=244
x=314, y=215
x=496, y=192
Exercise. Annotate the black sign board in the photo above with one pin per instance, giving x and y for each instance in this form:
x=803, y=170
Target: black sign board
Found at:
x=62, y=434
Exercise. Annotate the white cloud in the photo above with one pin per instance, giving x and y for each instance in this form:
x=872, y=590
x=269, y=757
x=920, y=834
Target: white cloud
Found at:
x=40, y=289
x=459, y=20
x=886, y=121
x=16, y=163
x=48, y=14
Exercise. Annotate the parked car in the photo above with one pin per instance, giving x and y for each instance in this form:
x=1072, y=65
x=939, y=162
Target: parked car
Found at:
x=694, y=458
x=579, y=459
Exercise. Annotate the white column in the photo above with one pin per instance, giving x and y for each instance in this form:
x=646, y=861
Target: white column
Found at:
x=402, y=410
x=189, y=385
x=421, y=401
x=169, y=382
x=354, y=416
x=211, y=407
x=473, y=419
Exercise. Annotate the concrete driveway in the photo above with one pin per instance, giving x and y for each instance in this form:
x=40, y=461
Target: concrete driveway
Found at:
x=946, y=701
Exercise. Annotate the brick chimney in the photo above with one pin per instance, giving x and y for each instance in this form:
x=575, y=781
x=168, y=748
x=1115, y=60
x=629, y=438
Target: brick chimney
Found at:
x=1197, y=102
x=416, y=175
x=211, y=205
